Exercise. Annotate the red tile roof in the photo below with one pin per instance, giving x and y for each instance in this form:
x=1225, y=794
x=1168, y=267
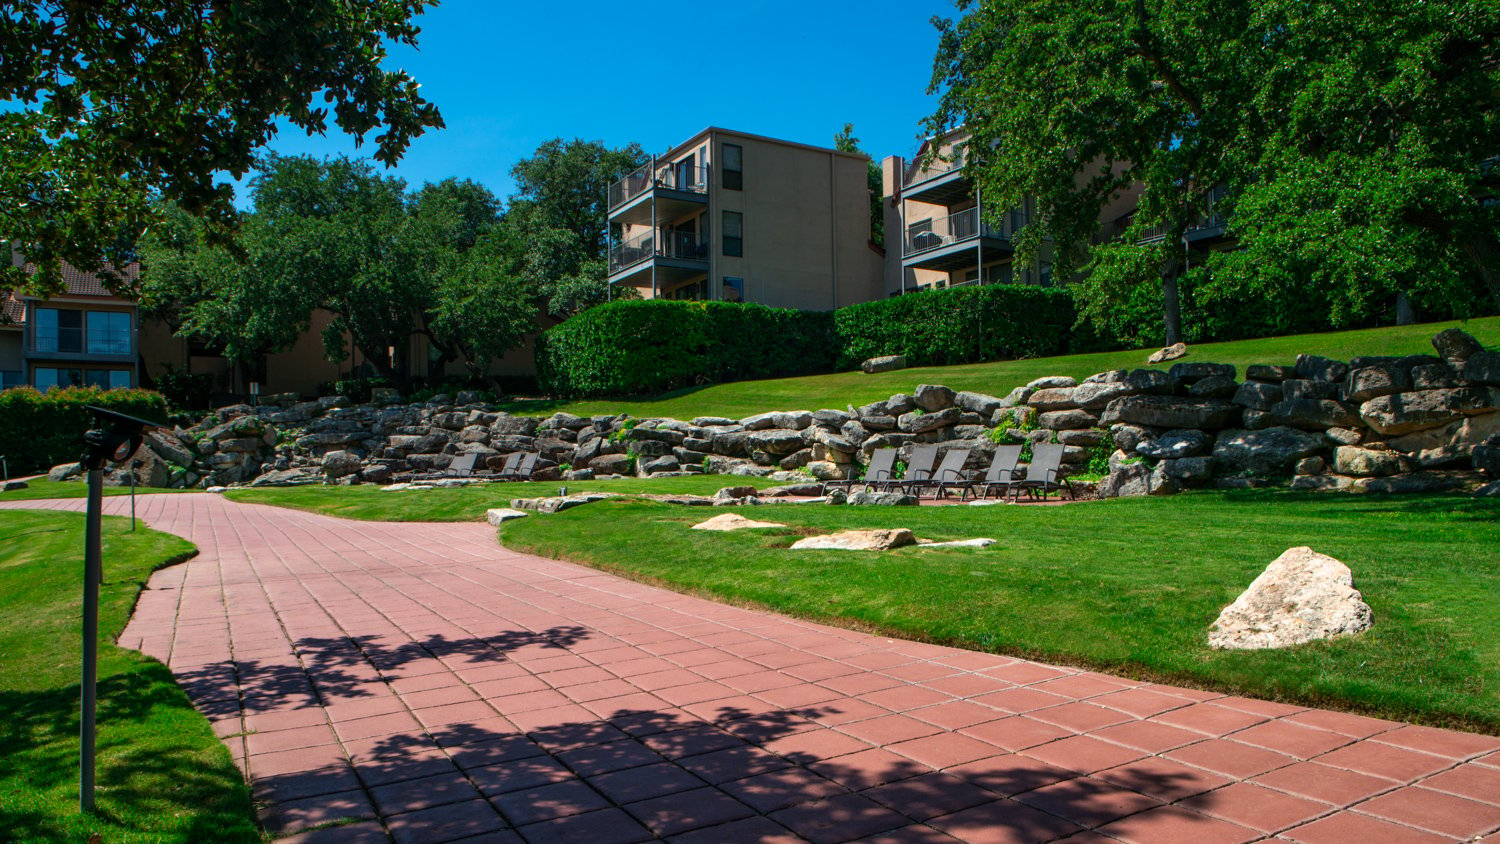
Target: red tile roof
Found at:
x=76, y=282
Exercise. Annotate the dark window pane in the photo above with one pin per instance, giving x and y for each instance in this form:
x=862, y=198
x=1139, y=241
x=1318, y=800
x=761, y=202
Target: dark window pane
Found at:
x=734, y=175
x=734, y=244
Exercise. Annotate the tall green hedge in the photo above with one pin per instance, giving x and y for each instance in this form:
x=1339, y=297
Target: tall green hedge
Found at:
x=41, y=430
x=962, y=325
x=638, y=347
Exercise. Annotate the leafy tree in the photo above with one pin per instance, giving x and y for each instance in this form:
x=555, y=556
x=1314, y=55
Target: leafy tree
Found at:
x=558, y=219
x=1349, y=137
x=111, y=106
x=845, y=141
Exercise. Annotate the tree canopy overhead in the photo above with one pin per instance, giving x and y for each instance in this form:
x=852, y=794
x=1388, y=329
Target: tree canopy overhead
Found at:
x=1350, y=138
x=113, y=105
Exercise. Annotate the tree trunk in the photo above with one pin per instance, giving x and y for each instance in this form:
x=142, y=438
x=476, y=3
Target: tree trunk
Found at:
x=1404, y=313
x=1171, y=308
x=381, y=360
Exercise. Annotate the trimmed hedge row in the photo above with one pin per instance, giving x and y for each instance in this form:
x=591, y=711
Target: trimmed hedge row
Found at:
x=638, y=347
x=642, y=347
x=962, y=325
x=40, y=430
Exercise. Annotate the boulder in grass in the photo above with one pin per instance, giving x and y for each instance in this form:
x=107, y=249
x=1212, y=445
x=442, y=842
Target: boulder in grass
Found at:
x=1456, y=344
x=733, y=521
x=1302, y=596
x=857, y=540
x=1172, y=352
x=885, y=363
x=500, y=515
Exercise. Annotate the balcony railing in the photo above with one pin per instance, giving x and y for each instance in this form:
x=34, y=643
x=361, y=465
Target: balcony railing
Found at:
x=83, y=341
x=920, y=171
x=673, y=244
x=679, y=177
x=937, y=232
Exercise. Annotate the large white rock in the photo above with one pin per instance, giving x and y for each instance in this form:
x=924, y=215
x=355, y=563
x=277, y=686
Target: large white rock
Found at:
x=857, y=540
x=1302, y=596
x=980, y=542
x=733, y=521
x=498, y=516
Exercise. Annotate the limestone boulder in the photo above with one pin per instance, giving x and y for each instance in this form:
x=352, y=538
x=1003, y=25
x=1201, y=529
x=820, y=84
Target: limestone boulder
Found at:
x=1214, y=387
x=1371, y=381
x=500, y=515
x=933, y=397
x=1126, y=480
x=1434, y=377
x=1189, y=373
x=984, y=405
x=1403, y=413
x=916, y=423
x=1176, y=444
x=733, y=521
x=1455, y=344
x=794, y=420
x=1067, y=420
x=1483, y=368
x=1172, y=352
x=1258, y=395
x=610, y=464
x=867, y=498
x=1052, y=398
x=857, y=540
x=1270, y=451
x=1315, y=414
x=1302, y=596
x=337, y=464
x=1486, y=457
x=1318, y=368
x=884, y=363
x=1174, y=412
x=1270, y=373
x=1367, y=462
x=776, y=440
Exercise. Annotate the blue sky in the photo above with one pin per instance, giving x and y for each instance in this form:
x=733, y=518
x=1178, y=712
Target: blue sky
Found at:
x=509, y=75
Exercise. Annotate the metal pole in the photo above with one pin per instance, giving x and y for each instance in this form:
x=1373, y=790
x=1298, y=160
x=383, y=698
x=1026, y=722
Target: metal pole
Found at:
x=93, y=573
x=133, y=466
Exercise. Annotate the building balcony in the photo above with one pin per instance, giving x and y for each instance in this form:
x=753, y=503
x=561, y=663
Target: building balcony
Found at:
x=938, y=182
x=672, y=256
x=674, y=190
x=82, y=345
x=953, y=242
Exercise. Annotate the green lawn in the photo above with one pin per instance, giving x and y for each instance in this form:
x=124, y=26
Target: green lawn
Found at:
x=1129, y=586
x=744, y=398
x=466, y=504
x=72, y=489
x=162, y=775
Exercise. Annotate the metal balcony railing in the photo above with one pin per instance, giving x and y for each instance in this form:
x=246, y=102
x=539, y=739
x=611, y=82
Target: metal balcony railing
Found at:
x=920, y=171
x=83, y=341
x=672, y=244
x=937, y=232
x=680, y=177
x=630, y=252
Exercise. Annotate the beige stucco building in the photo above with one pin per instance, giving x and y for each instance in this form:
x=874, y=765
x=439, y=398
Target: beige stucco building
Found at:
x=82, y=336
x=730, y=216
x=934, y=235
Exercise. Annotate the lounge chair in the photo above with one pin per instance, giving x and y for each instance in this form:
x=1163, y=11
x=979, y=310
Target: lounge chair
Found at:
x=998, y=479
x=881, y=469
x=1044, y=474
x=525, y=465
x=918, y=469
x=461, y=467
x=507, y=467
x=950, y=469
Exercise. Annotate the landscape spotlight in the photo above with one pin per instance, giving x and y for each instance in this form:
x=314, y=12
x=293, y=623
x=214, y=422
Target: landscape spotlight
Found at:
x=113, y=439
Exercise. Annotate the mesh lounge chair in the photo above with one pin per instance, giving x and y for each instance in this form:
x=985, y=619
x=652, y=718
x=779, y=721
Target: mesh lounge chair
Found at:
x=507, y=467
x=1045, y=472
x=918, y=469
x=461, y=467
x=523, y=469
x=882, y=467
x=997, y=479
x=951, y=469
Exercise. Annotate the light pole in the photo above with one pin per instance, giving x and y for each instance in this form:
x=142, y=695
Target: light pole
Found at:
x=114, y=438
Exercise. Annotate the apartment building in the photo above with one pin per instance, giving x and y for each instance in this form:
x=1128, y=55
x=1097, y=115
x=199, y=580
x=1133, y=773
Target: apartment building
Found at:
x=82, y=336
x=729, y=216
x=936, y=234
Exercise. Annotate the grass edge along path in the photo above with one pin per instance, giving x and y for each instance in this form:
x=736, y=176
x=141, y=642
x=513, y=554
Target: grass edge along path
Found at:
x=810, y=392
x=162, y=773
x=1126, y=586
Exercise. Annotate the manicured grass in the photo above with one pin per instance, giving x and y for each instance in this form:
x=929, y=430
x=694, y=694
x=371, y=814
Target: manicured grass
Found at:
x=162, y=775
x=1129, y=586
x=744, y=398
x=467, y=504
x=43, y=488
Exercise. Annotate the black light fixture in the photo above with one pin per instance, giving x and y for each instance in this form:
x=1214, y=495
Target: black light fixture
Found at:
x=113, y=439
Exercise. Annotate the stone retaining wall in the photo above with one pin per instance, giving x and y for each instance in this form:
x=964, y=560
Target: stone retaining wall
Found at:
x=1370, y=424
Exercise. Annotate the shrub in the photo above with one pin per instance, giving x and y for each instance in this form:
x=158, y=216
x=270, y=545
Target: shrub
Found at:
x=186, y=390
x=962, y=325
x=357, y=390
x=41, y=430
x=638, y=347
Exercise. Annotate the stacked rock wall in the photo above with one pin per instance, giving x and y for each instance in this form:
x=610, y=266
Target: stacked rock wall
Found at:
x=1422, y=422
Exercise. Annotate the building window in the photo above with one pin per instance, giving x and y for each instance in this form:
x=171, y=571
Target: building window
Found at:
x=59, y=330
x=48, y=378
x=109, y=333
x=734, y=289
x=734, y=167
x=734, y=243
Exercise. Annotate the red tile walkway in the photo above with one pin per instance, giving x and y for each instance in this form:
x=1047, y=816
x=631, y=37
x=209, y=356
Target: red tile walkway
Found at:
x=421, y=684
